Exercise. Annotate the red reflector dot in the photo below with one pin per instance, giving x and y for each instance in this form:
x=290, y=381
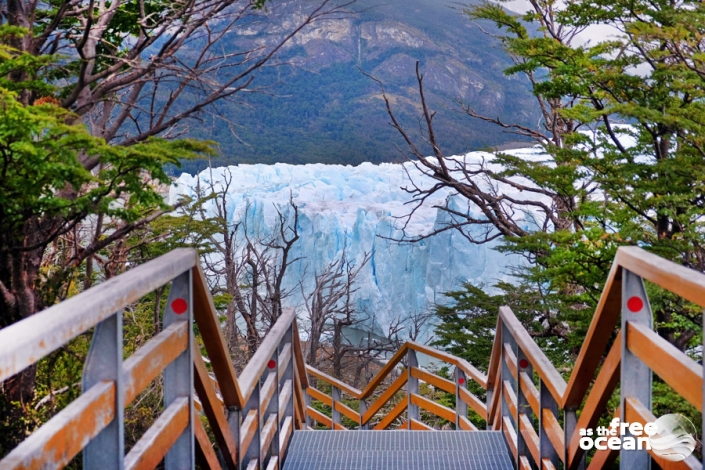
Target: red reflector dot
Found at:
x=461, y=381
x=523, y=363
x=271, y=364
x=179, y=306
x=634, y=304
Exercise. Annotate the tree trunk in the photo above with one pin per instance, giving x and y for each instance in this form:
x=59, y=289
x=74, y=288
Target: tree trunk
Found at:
x=338, y=350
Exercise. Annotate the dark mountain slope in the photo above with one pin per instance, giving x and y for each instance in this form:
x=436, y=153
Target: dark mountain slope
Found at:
x=320, y=108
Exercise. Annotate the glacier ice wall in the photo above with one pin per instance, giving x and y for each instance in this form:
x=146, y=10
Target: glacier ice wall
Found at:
x=358, y=209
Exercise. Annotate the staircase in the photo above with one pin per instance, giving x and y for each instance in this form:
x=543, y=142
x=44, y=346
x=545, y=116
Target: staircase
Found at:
x=265, y=417
x=398, y=450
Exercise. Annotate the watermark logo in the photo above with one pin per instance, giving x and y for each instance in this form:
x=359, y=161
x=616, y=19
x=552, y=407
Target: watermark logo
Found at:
x=675, y=439
x=671, y=437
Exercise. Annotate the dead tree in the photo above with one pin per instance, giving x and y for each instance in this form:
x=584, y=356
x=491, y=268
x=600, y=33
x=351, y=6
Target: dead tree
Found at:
x=249, y=276
x=483, y=188
x=330, y=301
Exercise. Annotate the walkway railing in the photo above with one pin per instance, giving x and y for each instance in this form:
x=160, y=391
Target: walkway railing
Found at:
x=408, y=383
x=528, y=399
x=251, y=418
x=634, y=353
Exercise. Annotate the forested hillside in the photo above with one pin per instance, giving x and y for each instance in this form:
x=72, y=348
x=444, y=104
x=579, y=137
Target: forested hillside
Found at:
x=320, y=107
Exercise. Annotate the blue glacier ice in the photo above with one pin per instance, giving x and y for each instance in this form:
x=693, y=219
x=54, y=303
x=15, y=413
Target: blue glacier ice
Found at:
x=355, y=208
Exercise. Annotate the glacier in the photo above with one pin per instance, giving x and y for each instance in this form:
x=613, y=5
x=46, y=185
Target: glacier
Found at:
x=358, y=209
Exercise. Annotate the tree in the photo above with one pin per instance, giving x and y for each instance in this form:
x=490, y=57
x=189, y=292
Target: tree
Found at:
x=248, y=279
x=39, y=151
x=331, y=315
x=330, y=303
x=610, y=184
x=93, y=94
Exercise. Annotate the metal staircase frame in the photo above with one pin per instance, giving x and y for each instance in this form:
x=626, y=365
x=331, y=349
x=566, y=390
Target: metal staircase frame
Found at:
x=252, y=417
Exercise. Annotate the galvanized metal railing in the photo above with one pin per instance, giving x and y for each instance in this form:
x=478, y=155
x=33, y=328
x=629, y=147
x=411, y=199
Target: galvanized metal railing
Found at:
x=529, y=401
x=252, y=422
x=623, y=317
x=253, y=418
x=408, y=383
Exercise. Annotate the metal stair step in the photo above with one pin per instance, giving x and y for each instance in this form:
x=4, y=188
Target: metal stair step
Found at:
x=397, y=450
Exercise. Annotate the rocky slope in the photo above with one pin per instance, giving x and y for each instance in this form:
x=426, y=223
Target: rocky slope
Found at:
x=321, y=108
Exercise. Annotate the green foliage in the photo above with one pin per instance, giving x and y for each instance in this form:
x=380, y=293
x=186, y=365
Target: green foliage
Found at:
x=58, y=380
x=628, y=170
x=41, y=156
x=616, y=185
x=466, y=326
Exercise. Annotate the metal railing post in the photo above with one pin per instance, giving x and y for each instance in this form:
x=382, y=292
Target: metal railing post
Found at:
x=273, y=406
x=412, y=385
x=570, y=422
x=288, y=411
x=104, y=363
x=488, y=403
x=307, y=403
x=636, y=376
x=506, y=376
x=548, y=403
x=523, y=407
x=253, y=450
x=234, y=418
x=178, y=376
x=363, y=410
x=461, y=408
x=335, y=414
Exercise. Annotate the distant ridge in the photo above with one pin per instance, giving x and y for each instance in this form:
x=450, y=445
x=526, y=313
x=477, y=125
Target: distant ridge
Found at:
x=322, y=109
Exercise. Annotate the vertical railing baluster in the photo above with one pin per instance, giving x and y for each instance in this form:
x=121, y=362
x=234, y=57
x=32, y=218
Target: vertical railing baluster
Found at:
x=412, y=385
x=307, y=403
x=253, y=450
x=635, y=375
x=335, y=415
x=461, y=408
x=523, y=407
x=489, y=396
x=104, y=362
x=287, y=375
x=178, y=376
x=570, y=423
x=273, y=405
x=234, y=423
x=507, y=376
x=548, y=403
x=363, y=410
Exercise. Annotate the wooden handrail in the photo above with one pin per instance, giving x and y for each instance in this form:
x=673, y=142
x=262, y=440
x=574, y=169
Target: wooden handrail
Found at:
x=679, y=371
x=683, y=374
x=495, y=356
x=333, y=381
x=596, y=402
x=245, y=410
x=258, y=363
x=438, y=382
x=680, y=280
x=384, y=372
x=26, y=342
x=542, y=365
x=604, y=320
x=94, y=412
x=206, y=318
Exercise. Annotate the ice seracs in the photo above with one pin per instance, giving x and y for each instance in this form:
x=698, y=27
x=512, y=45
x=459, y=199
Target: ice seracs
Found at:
x=359, y=209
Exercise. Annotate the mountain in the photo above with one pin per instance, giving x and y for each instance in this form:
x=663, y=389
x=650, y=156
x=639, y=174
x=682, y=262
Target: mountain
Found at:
x=319, y=107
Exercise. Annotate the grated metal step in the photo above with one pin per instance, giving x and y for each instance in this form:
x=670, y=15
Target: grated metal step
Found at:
x=397, y=450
